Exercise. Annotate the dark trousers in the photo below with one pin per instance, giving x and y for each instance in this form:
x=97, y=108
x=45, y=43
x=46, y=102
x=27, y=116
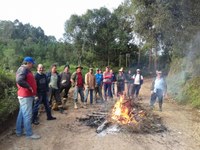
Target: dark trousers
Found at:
x=56, y=94
x=98, y=89
x=66, y=90
x=107, y=88
x=136, y=89
x=154, y=96
x=120, y=88
x=42, y=99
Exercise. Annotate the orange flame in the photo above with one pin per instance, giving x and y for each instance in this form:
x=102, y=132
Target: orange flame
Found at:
x=122, y=113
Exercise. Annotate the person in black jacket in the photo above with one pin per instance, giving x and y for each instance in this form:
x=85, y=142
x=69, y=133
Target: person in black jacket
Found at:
x=53, y=79
x=42, y=97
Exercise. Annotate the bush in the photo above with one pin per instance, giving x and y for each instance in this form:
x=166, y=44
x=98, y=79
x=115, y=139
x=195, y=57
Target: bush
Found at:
x=191, y=92
x=8, y=96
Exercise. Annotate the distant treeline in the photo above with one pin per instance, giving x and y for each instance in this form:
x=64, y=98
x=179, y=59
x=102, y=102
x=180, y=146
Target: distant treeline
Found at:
x=149, y=34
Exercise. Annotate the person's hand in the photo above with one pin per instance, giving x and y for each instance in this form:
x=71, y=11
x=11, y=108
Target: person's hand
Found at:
x=31, y=89
x=152, y=92
x=165, y=95
x=36, y=98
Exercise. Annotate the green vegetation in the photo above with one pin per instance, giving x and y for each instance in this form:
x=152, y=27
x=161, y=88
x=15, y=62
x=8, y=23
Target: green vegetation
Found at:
x=8, y=97
x=146, y=34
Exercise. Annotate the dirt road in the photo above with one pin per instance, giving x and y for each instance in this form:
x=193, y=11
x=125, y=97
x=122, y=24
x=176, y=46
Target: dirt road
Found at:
x=66, y=133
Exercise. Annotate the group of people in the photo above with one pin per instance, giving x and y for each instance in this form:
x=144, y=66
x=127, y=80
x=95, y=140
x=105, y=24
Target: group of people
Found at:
x=37, y=89
x=46, y=88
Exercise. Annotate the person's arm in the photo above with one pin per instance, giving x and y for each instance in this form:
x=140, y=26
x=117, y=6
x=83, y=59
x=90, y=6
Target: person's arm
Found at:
x=141, y=80
x=21, y=78
x=72, y=79
x=152, y=86
x=165, y=88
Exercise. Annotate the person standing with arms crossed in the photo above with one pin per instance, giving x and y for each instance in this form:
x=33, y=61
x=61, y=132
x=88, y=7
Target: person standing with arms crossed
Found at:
x=107, y=81
x=27, y=89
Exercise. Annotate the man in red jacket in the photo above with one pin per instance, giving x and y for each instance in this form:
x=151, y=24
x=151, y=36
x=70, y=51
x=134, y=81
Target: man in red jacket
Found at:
x=26, y=91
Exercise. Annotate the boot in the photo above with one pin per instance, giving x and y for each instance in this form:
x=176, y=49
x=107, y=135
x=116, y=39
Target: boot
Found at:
x=75, y=106
x=160, y=107
x=64, y=104
x=54, y=106
x=83, y=105
x=60, y=108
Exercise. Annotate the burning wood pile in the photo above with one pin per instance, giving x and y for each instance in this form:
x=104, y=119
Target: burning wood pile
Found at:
x=128, y=115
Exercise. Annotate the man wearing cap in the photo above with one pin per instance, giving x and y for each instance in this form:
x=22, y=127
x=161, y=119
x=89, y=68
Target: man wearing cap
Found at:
x=98, y=85
x=90, y=85
x=129, y=84
x=138, y=81
x=65, y=84
x=78, y=82
x=158, y=90
x=120, y=82
x=27, y=89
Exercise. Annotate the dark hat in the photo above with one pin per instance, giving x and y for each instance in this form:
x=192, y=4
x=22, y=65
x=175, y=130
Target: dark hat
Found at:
x=29, y=59
x=79, y=66
x=67, y=66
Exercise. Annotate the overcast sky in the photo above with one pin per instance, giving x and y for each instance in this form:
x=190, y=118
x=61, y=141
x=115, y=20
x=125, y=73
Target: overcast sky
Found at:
x=50, y=15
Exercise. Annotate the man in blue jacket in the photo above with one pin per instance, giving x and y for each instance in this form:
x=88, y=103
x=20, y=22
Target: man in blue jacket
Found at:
x=98, y=85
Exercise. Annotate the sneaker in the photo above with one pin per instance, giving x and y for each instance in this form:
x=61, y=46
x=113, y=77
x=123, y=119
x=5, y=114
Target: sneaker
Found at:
x=75, y=106
x=84, y=105
x=51, y=118
x=36, y=122
x=18, y=134
x=151, y=107
x=34, y=137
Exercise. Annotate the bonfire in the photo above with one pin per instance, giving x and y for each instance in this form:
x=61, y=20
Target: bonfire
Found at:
x=124, y=112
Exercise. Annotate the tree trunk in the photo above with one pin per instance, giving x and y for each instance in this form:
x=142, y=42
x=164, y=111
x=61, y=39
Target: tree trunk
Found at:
x=150, y=59
x=155, y=60
x=139, y=57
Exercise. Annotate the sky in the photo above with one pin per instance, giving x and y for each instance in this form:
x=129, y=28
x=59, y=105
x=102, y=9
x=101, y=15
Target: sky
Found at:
x=50, y=15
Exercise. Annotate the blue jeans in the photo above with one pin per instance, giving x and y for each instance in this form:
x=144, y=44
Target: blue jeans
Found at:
x=24, y=116
x=80, y=91
x=113, y=89
x=91, y=95
x=42, y=99
x=107, y=87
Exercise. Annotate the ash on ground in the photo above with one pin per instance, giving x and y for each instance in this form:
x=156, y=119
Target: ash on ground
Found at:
x=148, y=122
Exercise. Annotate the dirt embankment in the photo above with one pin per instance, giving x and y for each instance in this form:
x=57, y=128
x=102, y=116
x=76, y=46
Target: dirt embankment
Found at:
x=183, y=131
